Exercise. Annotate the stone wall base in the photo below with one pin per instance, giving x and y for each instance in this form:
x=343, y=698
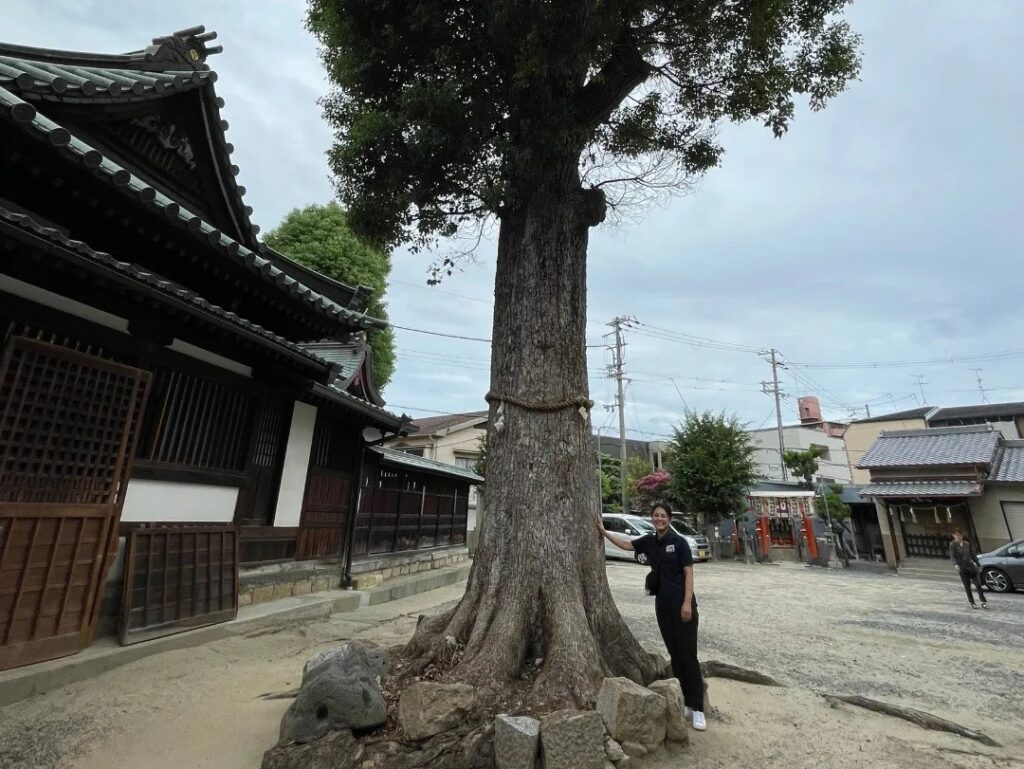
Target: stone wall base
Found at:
x=284, y=580
x=374, y=570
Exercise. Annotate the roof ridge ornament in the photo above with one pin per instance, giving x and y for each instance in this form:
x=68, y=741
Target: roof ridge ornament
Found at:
x=186, y=46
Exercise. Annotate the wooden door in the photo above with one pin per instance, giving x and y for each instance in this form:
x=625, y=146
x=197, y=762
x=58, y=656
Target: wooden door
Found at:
x=67, y=431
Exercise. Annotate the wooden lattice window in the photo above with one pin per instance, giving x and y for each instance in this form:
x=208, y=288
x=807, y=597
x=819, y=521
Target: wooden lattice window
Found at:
x=197, y=422
x=62, y=425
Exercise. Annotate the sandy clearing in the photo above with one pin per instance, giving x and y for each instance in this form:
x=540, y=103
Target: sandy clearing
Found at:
x=910, y=642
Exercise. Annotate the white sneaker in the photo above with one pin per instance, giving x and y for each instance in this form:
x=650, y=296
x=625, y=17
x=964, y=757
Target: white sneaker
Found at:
x=699, y=722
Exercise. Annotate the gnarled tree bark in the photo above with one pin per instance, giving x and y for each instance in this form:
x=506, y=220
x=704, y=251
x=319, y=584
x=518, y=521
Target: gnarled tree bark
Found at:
x=537, y=588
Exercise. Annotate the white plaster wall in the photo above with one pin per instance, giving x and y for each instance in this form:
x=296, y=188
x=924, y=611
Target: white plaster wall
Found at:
x=296, y=465
x=179, y=502
x=62, y=303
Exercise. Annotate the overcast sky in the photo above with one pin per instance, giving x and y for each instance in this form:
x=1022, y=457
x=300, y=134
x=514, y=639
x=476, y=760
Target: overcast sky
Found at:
x=884, y=229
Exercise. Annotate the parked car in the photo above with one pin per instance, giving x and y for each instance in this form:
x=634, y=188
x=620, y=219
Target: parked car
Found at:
x=633, y=527
x=1003, y=569
x=700, y=547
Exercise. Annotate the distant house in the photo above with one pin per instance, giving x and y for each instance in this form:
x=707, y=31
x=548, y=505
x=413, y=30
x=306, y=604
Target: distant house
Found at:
x=1008, y=418
x=833, y=465
x=927, y=482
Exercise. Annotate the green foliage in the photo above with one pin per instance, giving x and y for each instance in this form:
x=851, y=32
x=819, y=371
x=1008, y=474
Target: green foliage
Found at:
x=320, y=238
x=480, y=468
x=803, y=464
x=636, y=468
x=446, y=113
x=611, y=482
x=837, y=509
x=711, y=465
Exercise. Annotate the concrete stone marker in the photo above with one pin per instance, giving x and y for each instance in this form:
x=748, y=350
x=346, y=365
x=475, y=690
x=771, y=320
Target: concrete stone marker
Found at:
x=676, y=728
x=572, y=739
x=428, y=708
x=340, y=690
x=516, y=741
x=632, y=712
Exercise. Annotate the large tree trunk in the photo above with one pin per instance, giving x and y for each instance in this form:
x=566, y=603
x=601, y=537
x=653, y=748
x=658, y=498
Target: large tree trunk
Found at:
x=537, y=588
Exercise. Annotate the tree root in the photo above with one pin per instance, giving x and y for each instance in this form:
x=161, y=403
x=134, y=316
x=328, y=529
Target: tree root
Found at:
x=919, y=717
x=714, y=669
x=291, y=694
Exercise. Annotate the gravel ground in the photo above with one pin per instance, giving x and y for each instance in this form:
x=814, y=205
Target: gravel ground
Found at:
x=912, y=642
x=903, y=641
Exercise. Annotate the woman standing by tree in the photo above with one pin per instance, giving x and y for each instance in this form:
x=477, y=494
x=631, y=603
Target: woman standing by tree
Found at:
x=671, y=581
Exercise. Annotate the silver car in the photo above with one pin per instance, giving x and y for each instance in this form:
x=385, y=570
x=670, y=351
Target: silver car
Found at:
x=633, y=527
x=1003, y=569
x=630, y=526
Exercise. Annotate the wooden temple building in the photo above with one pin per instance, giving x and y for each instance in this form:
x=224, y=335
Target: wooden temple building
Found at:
x=177, y=401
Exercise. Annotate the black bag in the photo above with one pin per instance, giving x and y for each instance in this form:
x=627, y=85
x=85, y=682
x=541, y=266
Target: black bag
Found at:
x=653, y=580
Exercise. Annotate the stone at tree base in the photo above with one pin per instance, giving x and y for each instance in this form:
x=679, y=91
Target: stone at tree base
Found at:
x=634, y=749
x=427, y=708
x=572, y=739
x=662, y=662
x=613, y=750
x=516, y=741
x=354, y=656
x=632, y=712
x=340, y=690
x=676, y=727
x=338, y=750
x=609, y=765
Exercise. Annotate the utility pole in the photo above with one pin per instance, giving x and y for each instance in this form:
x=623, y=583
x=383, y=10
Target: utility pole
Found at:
x=919, y=378
x=981, y=387
x=772, y=388
x=618, y=358
x=867, y=410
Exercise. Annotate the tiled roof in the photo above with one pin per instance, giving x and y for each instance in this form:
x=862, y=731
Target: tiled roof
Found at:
x=918, y=413
x=429, y=465
x=379, y=414
x=980, y=411
x=76, y=248
x=29, y=74
x=431, y=425
x=973, y=445
x=922, y=489
x=346, y=358
x=1009, y=464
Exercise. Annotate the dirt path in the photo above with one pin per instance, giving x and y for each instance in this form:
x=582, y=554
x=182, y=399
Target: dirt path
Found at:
x=903, y=641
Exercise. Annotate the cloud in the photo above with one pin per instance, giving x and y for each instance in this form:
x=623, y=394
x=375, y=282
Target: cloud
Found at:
x=885, y=228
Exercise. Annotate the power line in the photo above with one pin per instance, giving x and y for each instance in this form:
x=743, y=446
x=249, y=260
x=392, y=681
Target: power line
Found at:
x=1001, y=355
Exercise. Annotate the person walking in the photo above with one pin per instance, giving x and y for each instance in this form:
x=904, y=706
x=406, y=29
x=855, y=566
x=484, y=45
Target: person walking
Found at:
x=966, y=562
x=671, y=581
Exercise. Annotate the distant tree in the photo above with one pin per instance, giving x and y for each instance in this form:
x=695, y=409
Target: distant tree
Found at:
x=637, y=468
x=803, y=464
x=541, y=116
x=480, y=466
x=653, y=487
x=829, y=505
x=611, y=483
x=711, y=465
x=320, y=238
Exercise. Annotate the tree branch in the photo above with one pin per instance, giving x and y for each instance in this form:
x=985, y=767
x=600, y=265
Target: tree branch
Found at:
x=623, y=72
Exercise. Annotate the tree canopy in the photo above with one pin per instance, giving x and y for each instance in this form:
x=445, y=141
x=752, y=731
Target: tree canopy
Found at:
x=320, y=237
x=804, y=464
x=711, y=465
x=442, y=109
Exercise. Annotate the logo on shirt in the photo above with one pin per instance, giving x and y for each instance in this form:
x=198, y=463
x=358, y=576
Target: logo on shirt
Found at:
x=670, y=549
